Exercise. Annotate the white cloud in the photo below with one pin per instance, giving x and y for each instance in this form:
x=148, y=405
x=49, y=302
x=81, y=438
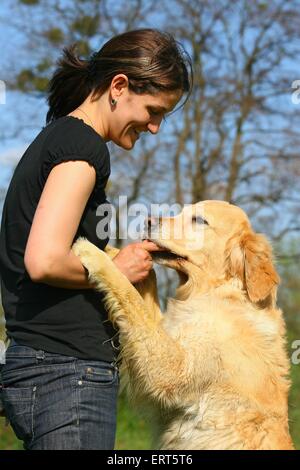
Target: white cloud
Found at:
x=11, y=156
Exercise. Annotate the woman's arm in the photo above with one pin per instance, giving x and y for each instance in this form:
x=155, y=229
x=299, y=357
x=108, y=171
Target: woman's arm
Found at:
x=48, y=256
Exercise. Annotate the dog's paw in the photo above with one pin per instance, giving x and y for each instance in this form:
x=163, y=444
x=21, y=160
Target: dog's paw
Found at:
x=111, y=251
x=90, y=256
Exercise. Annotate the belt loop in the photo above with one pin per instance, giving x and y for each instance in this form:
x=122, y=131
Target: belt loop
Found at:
x=40, y=355
x=116, y=362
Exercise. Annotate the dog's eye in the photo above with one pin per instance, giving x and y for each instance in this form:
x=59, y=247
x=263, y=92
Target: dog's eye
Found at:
x=199, y=220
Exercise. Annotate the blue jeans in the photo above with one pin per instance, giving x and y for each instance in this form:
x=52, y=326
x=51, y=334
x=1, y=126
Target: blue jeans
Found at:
x=56, y=402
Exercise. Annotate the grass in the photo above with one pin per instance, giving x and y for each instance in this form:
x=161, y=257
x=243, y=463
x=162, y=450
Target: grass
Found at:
x=133, y=433
x=294, y=406
x=8, y=440
x=294, y=398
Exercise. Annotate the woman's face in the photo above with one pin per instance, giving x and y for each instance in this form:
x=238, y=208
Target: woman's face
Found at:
x=135, y=113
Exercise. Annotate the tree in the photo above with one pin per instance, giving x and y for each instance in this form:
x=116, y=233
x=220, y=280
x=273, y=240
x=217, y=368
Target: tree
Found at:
x=235, y=139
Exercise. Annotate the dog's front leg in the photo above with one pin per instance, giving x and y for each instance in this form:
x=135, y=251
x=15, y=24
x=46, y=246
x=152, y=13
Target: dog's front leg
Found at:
x=157, y=364
x=147, y=288
x=111, y=251
x=148, y=291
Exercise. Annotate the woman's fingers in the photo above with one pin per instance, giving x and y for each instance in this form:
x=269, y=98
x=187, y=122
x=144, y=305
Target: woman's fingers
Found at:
x=150, y=246
x=135, y=260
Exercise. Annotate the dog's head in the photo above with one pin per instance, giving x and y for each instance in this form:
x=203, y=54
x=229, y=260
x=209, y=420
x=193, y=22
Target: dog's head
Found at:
x=216, y=237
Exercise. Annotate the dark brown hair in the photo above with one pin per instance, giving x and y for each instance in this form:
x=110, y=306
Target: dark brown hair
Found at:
x=151, y=59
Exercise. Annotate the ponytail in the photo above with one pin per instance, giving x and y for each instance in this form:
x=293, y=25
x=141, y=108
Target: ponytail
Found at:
x=69, y=86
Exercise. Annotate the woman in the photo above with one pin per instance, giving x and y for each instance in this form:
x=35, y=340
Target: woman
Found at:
x=60, y=380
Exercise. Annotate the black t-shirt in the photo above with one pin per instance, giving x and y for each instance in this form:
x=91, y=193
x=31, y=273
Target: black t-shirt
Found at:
x=57, y=320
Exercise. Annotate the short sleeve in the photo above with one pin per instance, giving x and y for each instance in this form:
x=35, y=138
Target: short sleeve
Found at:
x=74, y=140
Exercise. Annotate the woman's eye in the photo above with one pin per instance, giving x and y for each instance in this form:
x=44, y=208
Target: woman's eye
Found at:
x=155, y=113
x=199, y=220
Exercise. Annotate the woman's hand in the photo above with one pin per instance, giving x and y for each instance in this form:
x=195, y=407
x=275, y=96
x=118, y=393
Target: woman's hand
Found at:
x=135, y=261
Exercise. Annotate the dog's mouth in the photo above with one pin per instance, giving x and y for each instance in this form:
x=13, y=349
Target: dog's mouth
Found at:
x=165, y=253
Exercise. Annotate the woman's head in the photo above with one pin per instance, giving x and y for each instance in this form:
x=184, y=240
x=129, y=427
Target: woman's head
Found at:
x=151, y=61
x=145, y=69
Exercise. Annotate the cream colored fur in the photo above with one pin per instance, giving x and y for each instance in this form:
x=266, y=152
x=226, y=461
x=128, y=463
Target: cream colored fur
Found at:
x=213, y=369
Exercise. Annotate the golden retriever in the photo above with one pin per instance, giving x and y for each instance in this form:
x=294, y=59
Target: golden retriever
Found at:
x=213, y=369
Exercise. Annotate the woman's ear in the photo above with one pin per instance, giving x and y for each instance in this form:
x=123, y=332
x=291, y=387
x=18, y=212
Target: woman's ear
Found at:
x=249, y=257
x=118, y=84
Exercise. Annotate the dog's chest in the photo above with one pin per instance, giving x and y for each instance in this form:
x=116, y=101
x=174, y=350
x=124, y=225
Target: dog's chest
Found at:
x=195, y=318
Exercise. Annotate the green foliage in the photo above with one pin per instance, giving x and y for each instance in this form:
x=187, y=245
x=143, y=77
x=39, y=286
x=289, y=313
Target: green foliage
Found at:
x=54, y=35
x=44, y=65
x=37, y=78
x=294, y=405
x=29, y=2
x=262, y=6
x=83, y=48
x=40, y=83
x=24, y=79
x=289, y=291
x=133, y=432
x=8, y=440
x=86, y=25
x=27, y=80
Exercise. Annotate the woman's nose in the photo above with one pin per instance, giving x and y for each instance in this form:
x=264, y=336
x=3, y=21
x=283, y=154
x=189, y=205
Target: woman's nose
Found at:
x=154, y=124
x=153, y=128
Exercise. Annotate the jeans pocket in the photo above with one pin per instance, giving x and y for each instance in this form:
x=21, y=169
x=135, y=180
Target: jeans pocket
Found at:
x=99, y=376
x=19, y=404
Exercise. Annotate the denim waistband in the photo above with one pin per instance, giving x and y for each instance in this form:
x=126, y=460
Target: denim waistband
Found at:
x=40, y=354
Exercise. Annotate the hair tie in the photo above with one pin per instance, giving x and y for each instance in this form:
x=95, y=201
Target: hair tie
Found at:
x=92, y=65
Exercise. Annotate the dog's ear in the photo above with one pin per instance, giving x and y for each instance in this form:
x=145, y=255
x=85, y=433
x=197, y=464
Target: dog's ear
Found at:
x=260, y=275
x=249, y=257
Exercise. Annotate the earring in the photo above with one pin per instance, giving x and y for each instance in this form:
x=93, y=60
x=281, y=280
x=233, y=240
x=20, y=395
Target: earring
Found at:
x=113, y=102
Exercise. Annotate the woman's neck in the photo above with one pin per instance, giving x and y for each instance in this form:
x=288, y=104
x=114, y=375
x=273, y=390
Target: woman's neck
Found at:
x=89, y=112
